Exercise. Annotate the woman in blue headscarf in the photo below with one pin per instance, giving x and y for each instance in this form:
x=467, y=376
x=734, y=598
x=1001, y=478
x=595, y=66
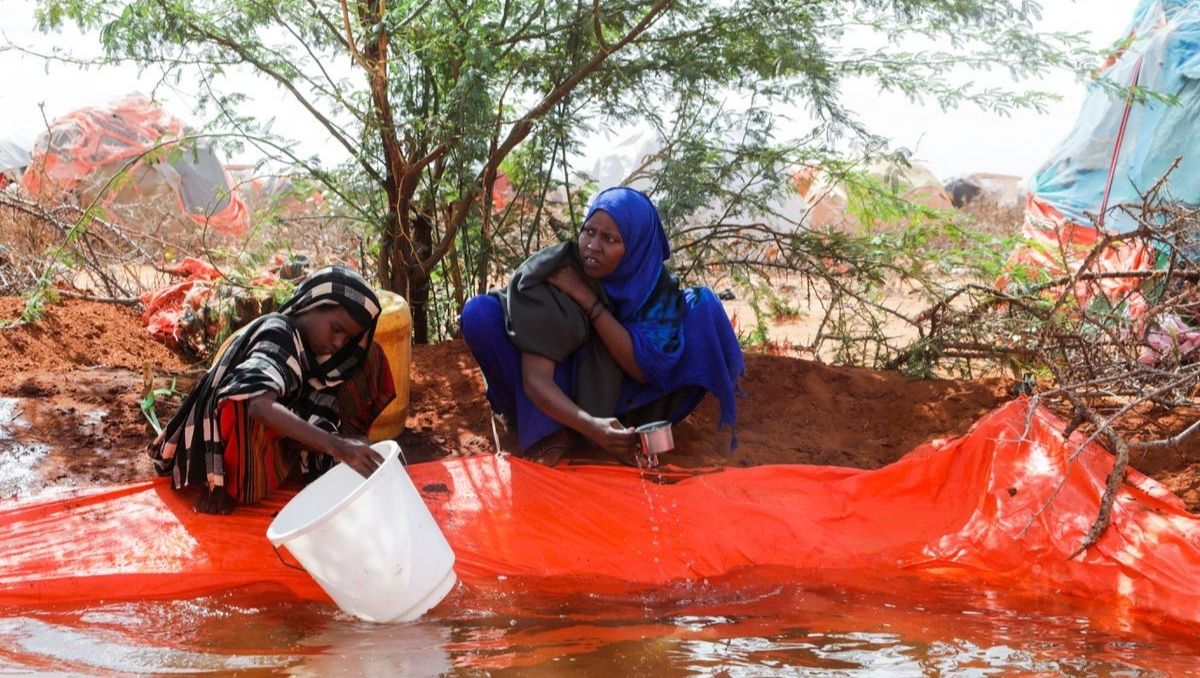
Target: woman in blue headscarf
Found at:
x=595, y=336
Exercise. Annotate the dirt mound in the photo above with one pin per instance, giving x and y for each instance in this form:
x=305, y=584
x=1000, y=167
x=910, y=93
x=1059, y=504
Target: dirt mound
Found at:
x=448, y=414
x=70, y=395
x=794, y=412
x=74, y=334
x=74, y=380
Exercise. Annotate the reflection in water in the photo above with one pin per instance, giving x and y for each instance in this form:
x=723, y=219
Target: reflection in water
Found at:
x=354, y=648
x=757, y=622
x=71, y=648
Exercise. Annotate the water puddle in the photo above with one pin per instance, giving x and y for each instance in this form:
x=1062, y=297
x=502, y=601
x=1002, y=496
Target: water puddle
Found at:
x=753, y=623
x=24, y=447
x=98, y=651
x=18, y=468
x=18, y=460
x=10, y=417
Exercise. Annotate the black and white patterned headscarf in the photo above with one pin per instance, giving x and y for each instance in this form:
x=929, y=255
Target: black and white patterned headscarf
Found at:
x=342, y=286
x=269, y=354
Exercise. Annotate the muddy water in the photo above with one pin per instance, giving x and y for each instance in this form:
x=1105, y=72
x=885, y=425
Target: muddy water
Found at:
x=18, y=460
x=754, y=623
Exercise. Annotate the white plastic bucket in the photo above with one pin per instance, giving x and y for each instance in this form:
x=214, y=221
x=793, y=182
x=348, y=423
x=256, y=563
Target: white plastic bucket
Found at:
x=370, y=543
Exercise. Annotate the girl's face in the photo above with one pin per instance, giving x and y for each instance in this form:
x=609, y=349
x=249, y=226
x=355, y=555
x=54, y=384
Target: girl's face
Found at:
x=326, y=329
x=600, y=245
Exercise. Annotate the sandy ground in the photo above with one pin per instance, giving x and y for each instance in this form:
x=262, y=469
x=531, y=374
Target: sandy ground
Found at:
x=69, y=408
x=794, y=331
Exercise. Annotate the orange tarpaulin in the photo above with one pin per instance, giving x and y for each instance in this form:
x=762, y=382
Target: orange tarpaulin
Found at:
x=1058, y=247
x=108, y=149
x=1006, y=501
x=165, y=306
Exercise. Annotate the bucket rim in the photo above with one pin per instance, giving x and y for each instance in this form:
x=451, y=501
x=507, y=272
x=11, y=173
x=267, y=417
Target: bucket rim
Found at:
x=391, y=450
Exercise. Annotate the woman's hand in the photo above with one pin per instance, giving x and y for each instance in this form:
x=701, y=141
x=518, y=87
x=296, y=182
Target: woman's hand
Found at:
x=613, y=436
x=568, y=280
x=537, y=376
x=358, y=455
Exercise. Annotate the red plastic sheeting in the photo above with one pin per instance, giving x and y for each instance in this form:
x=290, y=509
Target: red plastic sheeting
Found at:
x=165, y=305
x=127, y=135
x=1057, y=247
x=1004, y=501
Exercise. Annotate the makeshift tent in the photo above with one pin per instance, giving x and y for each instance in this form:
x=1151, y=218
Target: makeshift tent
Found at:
x=13, y=156
x=999, y=190
x=1010, y=502
x=622, y=159
x=13, y=159
x=1119, y=148
x=1127, y=143
x=265, y=191
x=829, y=198
x=129, y=159
x=634, y=161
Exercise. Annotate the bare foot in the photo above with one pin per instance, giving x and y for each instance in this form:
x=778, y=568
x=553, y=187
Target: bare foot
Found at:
x=549, y=450
x=215, y=501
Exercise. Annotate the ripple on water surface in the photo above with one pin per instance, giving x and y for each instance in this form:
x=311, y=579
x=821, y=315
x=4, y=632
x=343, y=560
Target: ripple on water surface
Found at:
x=753, y=623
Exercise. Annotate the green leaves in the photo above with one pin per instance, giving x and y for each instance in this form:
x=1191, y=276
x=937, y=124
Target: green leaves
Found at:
x=427, y=99
x=150, y=399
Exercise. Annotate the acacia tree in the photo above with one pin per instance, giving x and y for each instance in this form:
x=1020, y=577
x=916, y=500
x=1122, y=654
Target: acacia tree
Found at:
x=429, y=98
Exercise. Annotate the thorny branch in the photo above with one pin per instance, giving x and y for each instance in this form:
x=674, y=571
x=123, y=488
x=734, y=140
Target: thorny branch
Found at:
x=1110, y=334
x=99, y=251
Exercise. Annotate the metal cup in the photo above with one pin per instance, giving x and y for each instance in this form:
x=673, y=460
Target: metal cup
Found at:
x=654, y=439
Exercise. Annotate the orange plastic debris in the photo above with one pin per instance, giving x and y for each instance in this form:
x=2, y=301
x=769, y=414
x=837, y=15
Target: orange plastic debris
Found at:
x=1058, y=247
x=165, y=306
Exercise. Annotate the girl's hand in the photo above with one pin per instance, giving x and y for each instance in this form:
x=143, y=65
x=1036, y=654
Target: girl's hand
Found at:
x=568, y=280
x=613, y=436
x=358, y=455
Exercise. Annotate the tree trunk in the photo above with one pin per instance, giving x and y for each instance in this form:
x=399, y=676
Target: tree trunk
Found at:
x=405, y=276
x=418, y=280
x=418, y=301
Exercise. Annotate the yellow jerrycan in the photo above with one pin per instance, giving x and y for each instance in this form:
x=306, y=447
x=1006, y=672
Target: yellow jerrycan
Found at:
x=393, y=331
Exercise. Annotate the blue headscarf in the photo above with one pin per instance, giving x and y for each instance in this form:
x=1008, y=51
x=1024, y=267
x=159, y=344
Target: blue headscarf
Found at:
x=646, y=248
x=680, y=338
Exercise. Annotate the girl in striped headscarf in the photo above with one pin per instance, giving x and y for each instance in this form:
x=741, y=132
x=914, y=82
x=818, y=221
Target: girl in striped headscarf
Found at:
x=272, y=393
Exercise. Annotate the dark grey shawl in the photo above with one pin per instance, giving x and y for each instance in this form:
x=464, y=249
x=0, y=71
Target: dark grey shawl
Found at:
x=542, y=320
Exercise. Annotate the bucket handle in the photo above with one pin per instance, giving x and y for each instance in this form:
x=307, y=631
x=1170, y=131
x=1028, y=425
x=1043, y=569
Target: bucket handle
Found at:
x=286, y=563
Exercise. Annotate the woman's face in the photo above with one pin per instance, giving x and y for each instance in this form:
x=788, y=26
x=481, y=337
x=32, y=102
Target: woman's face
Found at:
x=326, y=329
x=600, y=245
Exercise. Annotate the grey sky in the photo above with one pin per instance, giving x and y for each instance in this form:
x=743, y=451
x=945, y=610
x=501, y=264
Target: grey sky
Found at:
x=956, y=142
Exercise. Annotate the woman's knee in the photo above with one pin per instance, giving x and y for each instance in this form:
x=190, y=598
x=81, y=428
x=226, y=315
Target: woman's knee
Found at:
x=481, y=316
